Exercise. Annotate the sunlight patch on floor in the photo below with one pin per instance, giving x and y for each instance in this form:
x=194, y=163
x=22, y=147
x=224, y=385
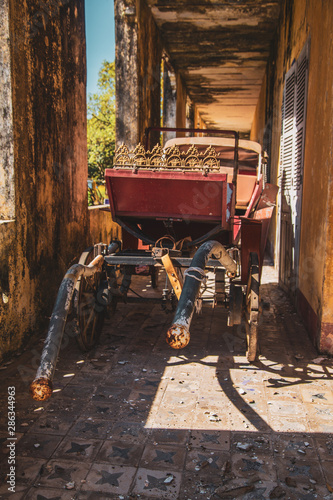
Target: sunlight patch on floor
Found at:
x=191, y=396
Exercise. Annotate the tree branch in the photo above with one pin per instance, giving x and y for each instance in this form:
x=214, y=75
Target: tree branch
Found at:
x=100, y=119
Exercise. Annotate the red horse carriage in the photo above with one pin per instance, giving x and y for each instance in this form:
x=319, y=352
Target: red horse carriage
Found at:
x=194, y=206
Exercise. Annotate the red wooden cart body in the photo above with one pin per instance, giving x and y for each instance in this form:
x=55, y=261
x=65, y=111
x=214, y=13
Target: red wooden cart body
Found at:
x=187, y=196
x=190, y=198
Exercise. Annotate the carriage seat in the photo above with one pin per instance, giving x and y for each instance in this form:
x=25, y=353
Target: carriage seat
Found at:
x=248, y=159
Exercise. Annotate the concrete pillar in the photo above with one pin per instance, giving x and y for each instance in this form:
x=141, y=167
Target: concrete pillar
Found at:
x=169, y=101
x=180, y=105
x=189, y=113
x=198, y=121
x=138, y=68
x=126, y=73
x=7, y=183
x=149, y=76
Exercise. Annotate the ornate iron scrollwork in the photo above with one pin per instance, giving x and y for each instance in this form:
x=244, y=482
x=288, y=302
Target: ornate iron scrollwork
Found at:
x=122, y=156
x=139, y=155
x=165, y=159
x=210, y=158
x=192, y=157
x=173, y=158
x=156, y=157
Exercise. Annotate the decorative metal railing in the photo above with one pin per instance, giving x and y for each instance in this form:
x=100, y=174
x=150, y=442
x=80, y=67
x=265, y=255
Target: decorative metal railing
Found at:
x=169, y=158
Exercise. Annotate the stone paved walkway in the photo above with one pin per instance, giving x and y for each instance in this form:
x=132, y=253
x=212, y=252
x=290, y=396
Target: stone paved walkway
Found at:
x=135, y=419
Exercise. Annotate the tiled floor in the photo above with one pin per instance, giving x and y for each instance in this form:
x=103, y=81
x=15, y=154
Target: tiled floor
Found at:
x=135, y=419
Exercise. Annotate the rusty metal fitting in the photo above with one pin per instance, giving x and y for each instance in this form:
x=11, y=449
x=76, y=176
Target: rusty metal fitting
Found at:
x=178, y=336
x=41, y=389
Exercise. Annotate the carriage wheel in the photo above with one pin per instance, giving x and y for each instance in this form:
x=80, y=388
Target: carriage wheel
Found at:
x=88, y=304
x=252, y=307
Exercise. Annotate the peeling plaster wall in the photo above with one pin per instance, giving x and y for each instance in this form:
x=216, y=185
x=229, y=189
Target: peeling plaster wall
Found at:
x=180, y=105
x=139, y=47
x=48, y=77
x=259, y=121
x=198, y=121
x=138, y=69
x=302, y=19
x=316, y=256
x=102, y=228
x=169, y=101
x=127, y=105
x=149, y=72
x=7, y=190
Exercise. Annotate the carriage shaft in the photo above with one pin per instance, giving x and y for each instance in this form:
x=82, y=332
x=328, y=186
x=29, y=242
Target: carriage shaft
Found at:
x=178, y=335
x=41, y=387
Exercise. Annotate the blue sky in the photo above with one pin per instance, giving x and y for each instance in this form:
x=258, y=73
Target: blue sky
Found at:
x=100, y=38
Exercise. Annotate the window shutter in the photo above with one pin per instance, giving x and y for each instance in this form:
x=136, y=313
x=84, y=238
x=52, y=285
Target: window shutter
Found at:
x=267, y=143
x=301, y=80
x=291, y=163
x=287, y=152
x=293, y=131
x=281, y=141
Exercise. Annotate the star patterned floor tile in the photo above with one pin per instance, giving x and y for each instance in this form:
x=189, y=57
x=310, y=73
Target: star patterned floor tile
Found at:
x=165, y=457
x=157, y=484
x=133, y=432
x=120, y=453
x=214, y=440
x=83, y=449
x=109, y=479
x=28, y=469
x=56, y=473
x=90, y=429
x=38, y=445
x=169, y=436
x=53, y=424
x=206, y=461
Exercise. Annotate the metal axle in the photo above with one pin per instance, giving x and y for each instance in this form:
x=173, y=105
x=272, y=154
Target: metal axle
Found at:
x=178, y=335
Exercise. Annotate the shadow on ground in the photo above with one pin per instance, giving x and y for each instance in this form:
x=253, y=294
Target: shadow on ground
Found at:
x=134, y=419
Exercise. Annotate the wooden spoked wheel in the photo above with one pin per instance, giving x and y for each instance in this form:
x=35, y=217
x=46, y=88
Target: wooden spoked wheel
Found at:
x=88, y=303
x=252, y=307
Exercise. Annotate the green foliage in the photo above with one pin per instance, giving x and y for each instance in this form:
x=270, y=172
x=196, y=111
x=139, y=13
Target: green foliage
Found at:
x=101, y=123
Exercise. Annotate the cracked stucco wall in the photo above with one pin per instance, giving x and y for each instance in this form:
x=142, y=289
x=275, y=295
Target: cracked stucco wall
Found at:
x=149, y=71
x=48, y=102
x=7, y=188
x=300, y=20
x=138, y=72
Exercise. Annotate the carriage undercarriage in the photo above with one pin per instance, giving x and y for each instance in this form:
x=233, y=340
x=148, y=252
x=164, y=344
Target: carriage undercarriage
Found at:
x=192, y=224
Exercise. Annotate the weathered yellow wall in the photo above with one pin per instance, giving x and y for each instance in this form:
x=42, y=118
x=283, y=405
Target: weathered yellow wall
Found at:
x=7, y=187
x=138, y=72
x=325, y=339
x=302, y=19
x=149, y=72
x=198, y=120
x=126, y=74
x=316, y=273
x=101, y=227
x=50, y=230
x=259, y=121
x=261, y=117
x=180, y=105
